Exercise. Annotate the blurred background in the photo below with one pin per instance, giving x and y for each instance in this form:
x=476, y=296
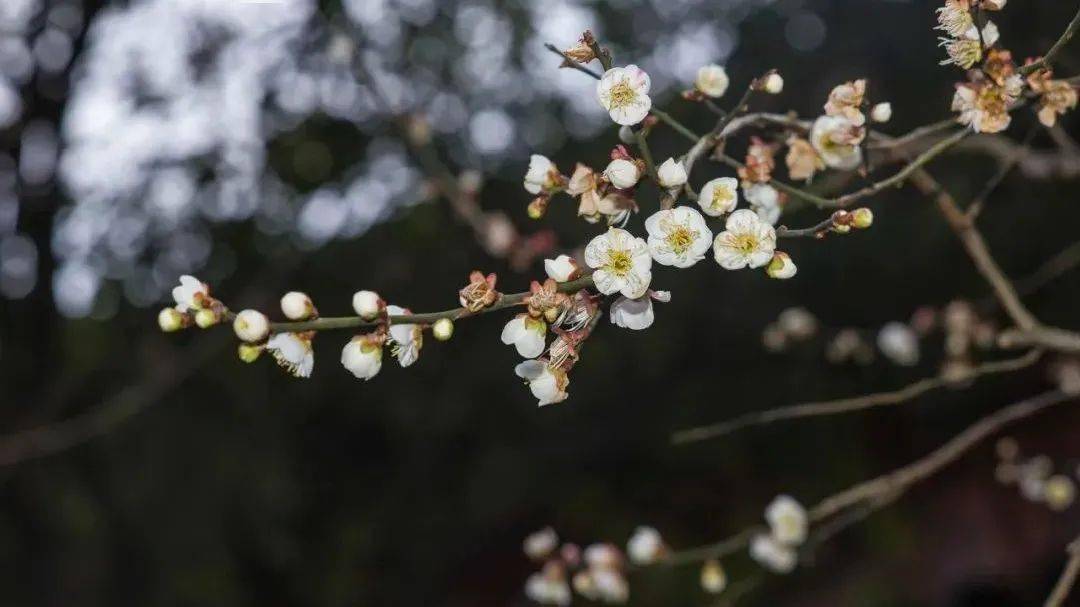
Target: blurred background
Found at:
x=239, y=141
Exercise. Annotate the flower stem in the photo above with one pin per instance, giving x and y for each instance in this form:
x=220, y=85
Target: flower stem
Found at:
x=355, y=322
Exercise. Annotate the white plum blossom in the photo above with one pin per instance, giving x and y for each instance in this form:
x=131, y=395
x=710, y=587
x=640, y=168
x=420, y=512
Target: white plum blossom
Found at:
x=293, y=353
x=547, y=383
x=609, y=585
x=624, y=93
x=746, y=241
x=898, y=343
x=549, y=586
x=251, y=326
x=297, y=306
x=541, y=176
x=719, y=196
x=621, y=263
x=407, y=339
x=637, y=314
x=527, y=334
x=712, y=80
x=678, y=237
x=541, y=544
x=622, y=173
x=362, y=357
x=367, y=304
x=602, y=556
x=787, y=520
x=764, y=199
x=671, y=174
x=561, y=269
x=881, y=112
x=190, y=294
x=781, y=266
x=645, y=546
x=773, y=555
x=835, y=139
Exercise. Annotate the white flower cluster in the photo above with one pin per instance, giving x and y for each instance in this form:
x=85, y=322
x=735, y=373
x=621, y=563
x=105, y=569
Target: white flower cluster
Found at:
x=1034, y=476
x=788, y=526
x=597, y=573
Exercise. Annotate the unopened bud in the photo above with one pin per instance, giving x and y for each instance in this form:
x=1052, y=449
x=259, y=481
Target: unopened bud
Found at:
x=297, y=306
x=443, y=329
x=206, y=318
x=862, y=218
x=1059, y=492
x=774, y=84
x=781, y=266
x=881, y=112
x=170, y=319
x=626, y=135
x=367, y=304
x=713, y=578
x=538, y=207
x=249, y=353
x=251, y=326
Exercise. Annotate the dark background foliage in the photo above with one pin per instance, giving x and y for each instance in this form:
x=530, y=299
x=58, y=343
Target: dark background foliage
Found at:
x=237, y=485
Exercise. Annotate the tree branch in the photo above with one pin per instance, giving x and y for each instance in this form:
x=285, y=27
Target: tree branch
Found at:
x=1068, y=577
x=846, y=405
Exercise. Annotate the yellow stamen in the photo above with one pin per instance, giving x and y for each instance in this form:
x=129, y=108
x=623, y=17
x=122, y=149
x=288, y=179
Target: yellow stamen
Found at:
x=619, y=262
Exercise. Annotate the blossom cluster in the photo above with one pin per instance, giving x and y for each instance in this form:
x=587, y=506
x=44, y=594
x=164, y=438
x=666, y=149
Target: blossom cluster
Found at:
x=1034, y=477
x=985, y=100
x=598, y=573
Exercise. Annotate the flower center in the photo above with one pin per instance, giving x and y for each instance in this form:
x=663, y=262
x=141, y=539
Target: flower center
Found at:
x=680, y=239
x=745, y=243
x=720, y=197
x=622, y=94
x=619, y=262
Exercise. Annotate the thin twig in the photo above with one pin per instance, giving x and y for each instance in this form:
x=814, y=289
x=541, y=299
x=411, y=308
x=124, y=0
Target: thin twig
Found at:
x=1057, y=265
x=1003, y=171
x=976, y=247
x=847, y=405
x=1055, y=49
x=893, y=484
x=1068, y=577
x=427, y=318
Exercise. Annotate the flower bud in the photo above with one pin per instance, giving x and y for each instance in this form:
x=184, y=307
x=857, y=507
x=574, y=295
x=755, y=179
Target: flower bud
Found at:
x=671, y=174
x=367, y=304
x=774, y=84
x=297, y=306
x=626, y=135
x=169, y=319
x=251, y=326
x=538, y=207
x=781, y=266
x=443, y=329
x=713, y=578
x=1059, y=492
x=622, y=174
x=712, y=80
x=249, y=353
x=562, y=269
x=862, y=218
x=881, y=112
x=206, y=318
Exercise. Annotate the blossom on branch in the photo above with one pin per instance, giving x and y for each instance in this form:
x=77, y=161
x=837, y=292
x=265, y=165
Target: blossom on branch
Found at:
x=678, y=237
x=527, y=334
x=746, y=241
x=712, y=80
x=547, y=383
x=624, y=93
x=621, y=263
x=836, y=140
x=637, y=314
x=671, y=174
x=293, y=352
x=362, y=355
x=543, y=176
x=719, y=196
x=406, y=339
x=562, y=269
